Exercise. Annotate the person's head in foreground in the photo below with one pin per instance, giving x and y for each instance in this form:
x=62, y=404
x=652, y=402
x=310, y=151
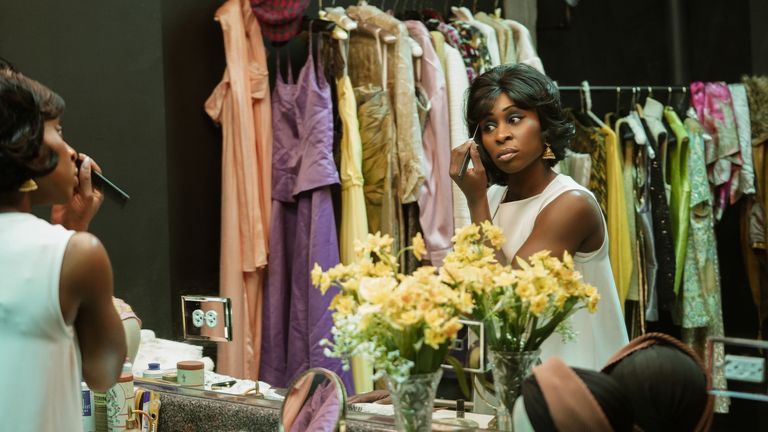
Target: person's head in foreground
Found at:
x=557, y=397
x=666, y=382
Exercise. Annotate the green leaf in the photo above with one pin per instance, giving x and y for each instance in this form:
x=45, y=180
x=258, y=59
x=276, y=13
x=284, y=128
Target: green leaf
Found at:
x=460, y=375
x=424, y=359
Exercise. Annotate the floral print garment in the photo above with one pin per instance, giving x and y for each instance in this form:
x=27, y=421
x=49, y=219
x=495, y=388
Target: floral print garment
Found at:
x=473, y=49
x=699, y=308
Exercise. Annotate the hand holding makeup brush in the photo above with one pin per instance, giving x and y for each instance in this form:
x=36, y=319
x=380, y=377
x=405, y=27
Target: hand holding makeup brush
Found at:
x=85, y=203
x=474, y=181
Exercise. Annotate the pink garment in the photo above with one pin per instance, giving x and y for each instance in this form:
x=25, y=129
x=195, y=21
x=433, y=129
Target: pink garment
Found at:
x=436, y=194
x=714, y=108
x=241, y=104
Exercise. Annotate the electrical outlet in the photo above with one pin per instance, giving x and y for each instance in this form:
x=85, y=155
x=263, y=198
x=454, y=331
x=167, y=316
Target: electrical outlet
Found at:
x=744, y=368
x=206, y=318
x=211, y=318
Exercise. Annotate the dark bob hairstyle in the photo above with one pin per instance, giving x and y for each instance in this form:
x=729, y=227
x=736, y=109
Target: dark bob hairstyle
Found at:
x=24, y=107
x=529, y=89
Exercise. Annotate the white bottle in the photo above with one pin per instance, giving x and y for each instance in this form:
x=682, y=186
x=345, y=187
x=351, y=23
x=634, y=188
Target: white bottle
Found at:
x=89, y=409
x=154, y=371
x=120, y=401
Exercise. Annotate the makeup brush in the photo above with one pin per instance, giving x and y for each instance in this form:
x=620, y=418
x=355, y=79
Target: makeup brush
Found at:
x=465, y=162
x=109, y=188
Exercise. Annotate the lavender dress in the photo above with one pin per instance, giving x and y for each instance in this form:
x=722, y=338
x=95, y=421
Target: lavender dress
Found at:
x=303, y=229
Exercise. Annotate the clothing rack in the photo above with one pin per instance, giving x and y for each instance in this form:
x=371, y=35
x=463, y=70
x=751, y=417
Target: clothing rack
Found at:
x=602, y=88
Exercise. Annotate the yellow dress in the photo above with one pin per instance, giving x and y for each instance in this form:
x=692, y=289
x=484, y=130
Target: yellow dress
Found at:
x=620, y=247
x=354, y=217
x=354, y=225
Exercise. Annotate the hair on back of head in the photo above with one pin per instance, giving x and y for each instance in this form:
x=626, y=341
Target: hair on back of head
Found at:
x=609, y=395
x=22, y=153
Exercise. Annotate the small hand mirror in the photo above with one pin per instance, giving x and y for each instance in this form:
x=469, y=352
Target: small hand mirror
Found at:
x=316, y=401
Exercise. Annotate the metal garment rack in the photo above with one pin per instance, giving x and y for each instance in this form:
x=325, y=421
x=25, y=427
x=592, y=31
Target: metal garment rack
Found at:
x=624, y=88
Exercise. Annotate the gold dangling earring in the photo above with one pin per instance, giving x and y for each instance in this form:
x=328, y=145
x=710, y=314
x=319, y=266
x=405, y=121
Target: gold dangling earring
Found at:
x=548, y=153
x=28, y=186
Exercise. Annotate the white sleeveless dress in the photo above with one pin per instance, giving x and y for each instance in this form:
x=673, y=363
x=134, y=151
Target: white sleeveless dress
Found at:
x=598, y=335
x=40, y=364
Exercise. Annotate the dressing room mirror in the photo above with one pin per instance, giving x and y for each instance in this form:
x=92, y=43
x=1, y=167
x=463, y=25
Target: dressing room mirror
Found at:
x=315, y=401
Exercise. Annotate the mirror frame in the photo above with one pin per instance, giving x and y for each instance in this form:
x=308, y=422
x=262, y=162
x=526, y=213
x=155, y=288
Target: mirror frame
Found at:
x=341, y=392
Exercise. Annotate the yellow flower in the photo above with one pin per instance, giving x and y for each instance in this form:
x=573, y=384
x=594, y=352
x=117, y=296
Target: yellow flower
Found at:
x=493, y=234
x=419, y=248
x=316, y=274
x=525, y=289
x=434, y=317
x=546, y=284
x=338, y=272
x=350, y=285
x=504, y=279
x=343, y=304
x=325, y=283
x=464, y=302
x=539, y=304
x=361, y=251
x=381, y=269
x=409, y=318
x=589, y=291
x=467, y=234
x=592, y=302
x=433, y=338
x=560, y=298
x=380, y=243
x=451, y=328
x=376, y=290
x=567, y=260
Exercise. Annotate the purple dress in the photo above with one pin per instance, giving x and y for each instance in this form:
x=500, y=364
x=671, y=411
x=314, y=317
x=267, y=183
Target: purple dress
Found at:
x=303, y=229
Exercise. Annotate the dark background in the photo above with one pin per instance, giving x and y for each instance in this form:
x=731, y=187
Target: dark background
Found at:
x=135, y=76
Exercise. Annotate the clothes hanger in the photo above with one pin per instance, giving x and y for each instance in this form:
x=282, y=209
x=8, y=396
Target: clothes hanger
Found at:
x=372, y=29
x=681, y=104
x=669, y=96
x=338, y=15
x=581, y=115
x=613, y=116
x=625, y=130
x=339, y=31
x=634, y=99
x=460, y=12
x=588, y=105
x=316, y=25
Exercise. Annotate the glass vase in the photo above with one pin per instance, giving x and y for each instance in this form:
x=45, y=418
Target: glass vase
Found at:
x=413, y=400
x=509, y=371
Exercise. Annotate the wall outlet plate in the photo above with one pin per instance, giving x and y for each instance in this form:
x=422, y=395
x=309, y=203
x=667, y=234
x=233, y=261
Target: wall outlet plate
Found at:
x=742, y=362
x=744, y=368
x=206, y=318
x=469, y=342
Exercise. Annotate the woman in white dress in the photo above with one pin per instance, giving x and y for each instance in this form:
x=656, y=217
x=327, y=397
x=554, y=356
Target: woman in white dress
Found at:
x=522, y=132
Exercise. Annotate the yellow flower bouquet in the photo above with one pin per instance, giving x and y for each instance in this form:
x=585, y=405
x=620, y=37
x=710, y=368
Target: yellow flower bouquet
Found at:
x=520, y=307
x=402, y=323
x=405, y=323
